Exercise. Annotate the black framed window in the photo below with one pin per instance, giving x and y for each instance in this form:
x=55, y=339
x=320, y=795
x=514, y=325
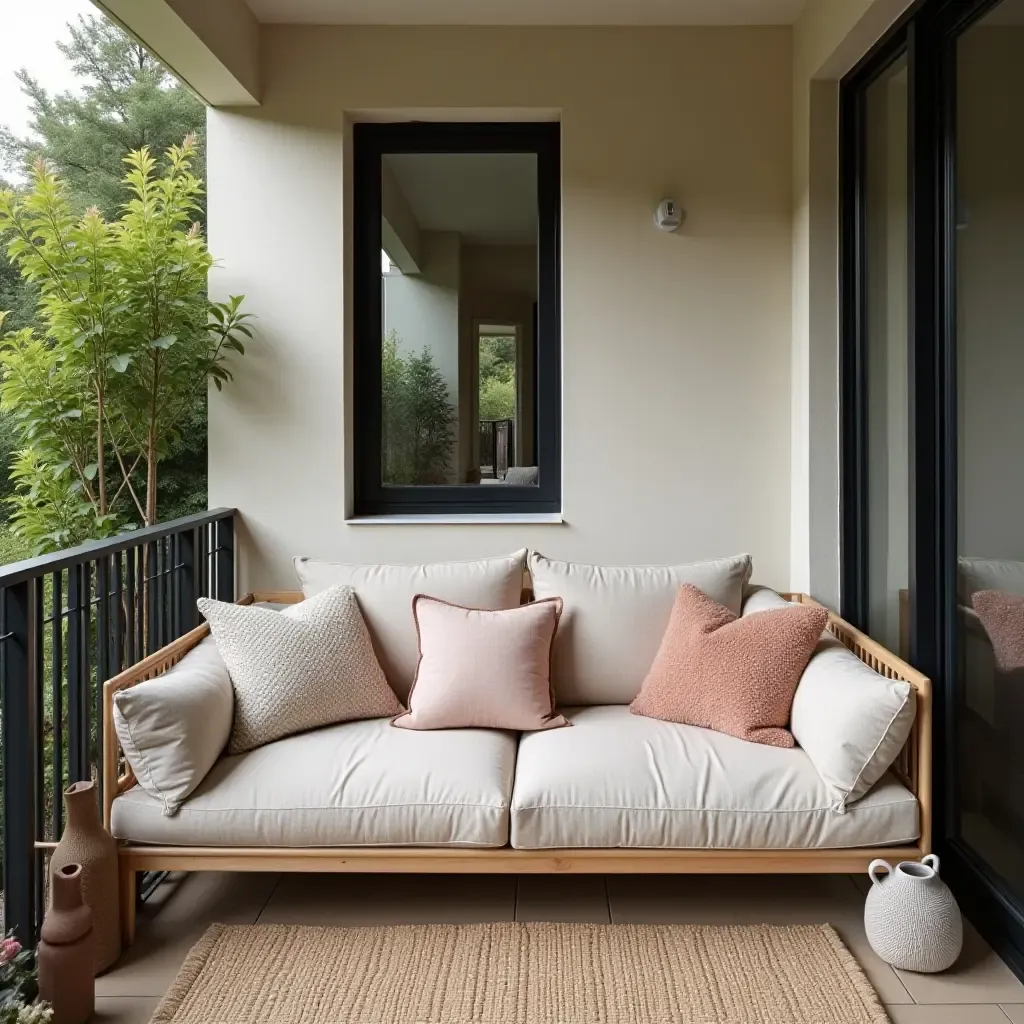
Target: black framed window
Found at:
x=457, y=358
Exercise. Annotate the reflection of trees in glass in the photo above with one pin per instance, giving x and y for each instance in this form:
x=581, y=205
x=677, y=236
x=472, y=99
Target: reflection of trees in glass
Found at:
x=497, y=378
x=418, y=421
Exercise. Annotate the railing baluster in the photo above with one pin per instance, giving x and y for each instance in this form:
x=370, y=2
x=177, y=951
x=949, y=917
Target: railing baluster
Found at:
x=103, y=672
x=224, y=551
x=149, y=578
x=78, y=689
x=117, y=638
x=86, y=658
x=167, y=587
x=39, y=767
x=186, y=597
x=131, y=644
x=19, y=739
x=57, y=699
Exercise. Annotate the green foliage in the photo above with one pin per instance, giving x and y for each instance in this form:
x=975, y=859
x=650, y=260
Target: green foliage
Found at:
x=126, y=101
x=418, y=420
x=18, y=986
x=497, y=378
x=126, y=340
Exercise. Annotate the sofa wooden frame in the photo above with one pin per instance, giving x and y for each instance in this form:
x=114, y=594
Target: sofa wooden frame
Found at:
x=913, y=767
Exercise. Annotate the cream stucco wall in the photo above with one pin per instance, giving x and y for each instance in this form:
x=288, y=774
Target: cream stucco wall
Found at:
x=676, y=347
x=829, y=38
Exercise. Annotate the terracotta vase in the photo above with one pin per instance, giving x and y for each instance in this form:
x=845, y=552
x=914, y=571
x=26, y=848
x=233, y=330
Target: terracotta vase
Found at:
x=66, y=951
x=87, y=842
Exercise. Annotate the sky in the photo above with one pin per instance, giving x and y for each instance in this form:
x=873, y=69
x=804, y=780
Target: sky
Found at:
x=31, y=29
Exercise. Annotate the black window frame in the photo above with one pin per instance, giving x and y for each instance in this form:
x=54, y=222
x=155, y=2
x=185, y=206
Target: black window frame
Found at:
x=371, y=142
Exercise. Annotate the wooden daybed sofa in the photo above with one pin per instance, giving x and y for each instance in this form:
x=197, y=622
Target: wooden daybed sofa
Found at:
x=273, y=812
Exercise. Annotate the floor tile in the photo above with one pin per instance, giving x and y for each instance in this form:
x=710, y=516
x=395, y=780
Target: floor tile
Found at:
x=956, y=1013
x=391, y=899
x=756, y=899
x=172, y=922
x=1014, y=1011
x=124, y=1009
x=979, y=976
x=562, y=898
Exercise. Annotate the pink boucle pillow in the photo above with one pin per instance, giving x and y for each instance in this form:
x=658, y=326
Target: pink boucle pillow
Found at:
x=1002, y=615
x=733, y=675
x=483, y=669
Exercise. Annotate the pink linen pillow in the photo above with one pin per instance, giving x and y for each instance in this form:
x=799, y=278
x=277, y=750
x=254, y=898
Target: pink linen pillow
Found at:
x=734, y=675
x=1002, y=615
x=483, y=669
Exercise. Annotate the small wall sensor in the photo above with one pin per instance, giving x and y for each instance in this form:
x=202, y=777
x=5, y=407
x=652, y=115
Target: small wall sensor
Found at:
x=669, y=215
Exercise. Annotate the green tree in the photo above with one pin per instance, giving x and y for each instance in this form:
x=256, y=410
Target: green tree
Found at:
x=497, y=375
x=127, y=341
x=127, y=100
x=418, y=422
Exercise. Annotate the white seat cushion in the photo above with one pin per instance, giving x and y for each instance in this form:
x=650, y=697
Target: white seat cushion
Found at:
x=355, y=784
x=618, y=780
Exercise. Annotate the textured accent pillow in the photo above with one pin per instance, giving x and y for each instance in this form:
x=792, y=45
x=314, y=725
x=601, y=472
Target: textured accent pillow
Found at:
x=615, y=617
x=1002, y=615
x=734, y=675
x=307, y=666
x=483, y=669
x=851, y=721
x=173, y=728
x=385, y=595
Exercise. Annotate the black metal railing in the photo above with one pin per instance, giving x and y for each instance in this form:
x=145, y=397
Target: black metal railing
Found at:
x=497, y=447
x=68, y=622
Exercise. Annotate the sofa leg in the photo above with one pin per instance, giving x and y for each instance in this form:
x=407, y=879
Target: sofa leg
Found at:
x=127, y=895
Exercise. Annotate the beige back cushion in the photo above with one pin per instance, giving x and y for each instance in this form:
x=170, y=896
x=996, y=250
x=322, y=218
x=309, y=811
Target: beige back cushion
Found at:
x=614, y=617
x=974, y=574
x=385, y=594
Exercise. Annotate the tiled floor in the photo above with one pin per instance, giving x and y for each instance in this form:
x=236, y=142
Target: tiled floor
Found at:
x=979, y=990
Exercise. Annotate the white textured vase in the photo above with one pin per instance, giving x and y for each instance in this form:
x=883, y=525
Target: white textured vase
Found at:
x=911, y=918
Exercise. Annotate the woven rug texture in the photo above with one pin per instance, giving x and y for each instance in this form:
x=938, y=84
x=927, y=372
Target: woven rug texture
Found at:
x=520, y=974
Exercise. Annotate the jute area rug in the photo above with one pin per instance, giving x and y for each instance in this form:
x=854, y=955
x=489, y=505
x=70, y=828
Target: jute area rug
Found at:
x=520, y=974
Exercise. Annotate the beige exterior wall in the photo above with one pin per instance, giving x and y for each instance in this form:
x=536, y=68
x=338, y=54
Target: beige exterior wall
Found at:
x=829, y=37
x=676, y=347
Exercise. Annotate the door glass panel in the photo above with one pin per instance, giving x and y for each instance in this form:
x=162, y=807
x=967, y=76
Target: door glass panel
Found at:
x=989, y=701
x=885, y=245
x=459, y=288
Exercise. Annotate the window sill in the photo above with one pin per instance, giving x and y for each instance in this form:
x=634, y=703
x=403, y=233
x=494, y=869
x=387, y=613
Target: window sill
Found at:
x=482, y=519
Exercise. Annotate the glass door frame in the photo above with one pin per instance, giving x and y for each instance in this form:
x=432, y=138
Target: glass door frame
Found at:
x=927, y=34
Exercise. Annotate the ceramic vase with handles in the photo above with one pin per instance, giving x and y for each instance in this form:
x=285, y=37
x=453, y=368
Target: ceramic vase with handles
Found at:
x=911, y=918
x=66, y=952
x=87, y=842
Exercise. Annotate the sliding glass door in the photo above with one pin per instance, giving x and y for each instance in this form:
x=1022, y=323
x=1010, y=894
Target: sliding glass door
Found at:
x=932, y=165
x=989, y=349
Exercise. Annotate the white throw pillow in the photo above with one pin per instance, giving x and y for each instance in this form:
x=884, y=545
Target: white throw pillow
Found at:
x=614, y=618
x=385, y=595
x=173, y=728
x=308, y=666
x=851, y=721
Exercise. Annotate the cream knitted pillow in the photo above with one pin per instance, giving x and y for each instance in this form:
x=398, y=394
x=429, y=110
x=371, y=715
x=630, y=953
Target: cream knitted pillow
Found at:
x=308, y=666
